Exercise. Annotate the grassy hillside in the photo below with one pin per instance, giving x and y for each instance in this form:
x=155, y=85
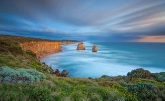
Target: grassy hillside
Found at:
x=13, y=56
x=24, y=78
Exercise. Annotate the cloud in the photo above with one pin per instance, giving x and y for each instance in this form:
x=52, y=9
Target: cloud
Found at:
x=119, y=19
x=160, y=38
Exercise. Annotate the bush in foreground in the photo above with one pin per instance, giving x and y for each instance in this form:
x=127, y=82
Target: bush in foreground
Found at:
x=23, y=76
x=140, y=86
x=139, y=73
x=41, y=94
x=159, y=76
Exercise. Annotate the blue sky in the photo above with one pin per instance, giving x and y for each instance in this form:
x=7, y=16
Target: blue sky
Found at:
x=91, y=20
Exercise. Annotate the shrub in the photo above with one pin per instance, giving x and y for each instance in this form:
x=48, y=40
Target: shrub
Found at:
x=95, y=97
x=90, y=78
x=41, y=94
x=138, y=87
x=64, y=73
x=113, y=96
x=15, y=48
x=107, y=83
x=154, y=94
x=12, y=47
x=9, y=92
x=105, y=76
x=23, y=76
x=77, y=96
x=31, y=53
x=57, y=72
x=139, y=73
x=47, y=69
x=49, y=84
x=159, y=76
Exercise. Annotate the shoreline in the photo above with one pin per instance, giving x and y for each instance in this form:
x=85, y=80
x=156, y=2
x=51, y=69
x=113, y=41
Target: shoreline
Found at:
x=41, y=57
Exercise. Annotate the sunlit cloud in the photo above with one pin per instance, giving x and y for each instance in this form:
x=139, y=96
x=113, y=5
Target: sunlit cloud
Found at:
x=151, y=39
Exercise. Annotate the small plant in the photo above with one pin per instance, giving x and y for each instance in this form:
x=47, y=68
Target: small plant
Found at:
x=139, y=73
x=105, y=76
x=154, y=94
x=138, y=87
x=41, y=94
x=77, y=96
x=159, y=76
x=31, y=53
x=95, y=97
x=64, y=73
x=57, y=72
x=107, y=83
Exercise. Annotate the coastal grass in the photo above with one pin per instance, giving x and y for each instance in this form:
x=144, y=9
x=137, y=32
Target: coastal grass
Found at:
x=13, y=56
x=55, y=88
x=65, y=89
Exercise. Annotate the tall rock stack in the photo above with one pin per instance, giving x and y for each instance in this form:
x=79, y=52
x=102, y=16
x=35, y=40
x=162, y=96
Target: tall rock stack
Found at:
x=94, y=49
x=81, y=46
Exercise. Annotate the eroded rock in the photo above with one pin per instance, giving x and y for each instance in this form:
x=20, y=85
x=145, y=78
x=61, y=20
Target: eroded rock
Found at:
x=94, y=49
x=81, y=46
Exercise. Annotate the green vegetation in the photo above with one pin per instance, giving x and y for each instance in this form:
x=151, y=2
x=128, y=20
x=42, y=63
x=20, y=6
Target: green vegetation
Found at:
x=64, y=73
x=138, y=87
x=24, y=78
x=31, y=53
x=13, y=56
x=139, y=73
x=65, y=88
x=159, y=76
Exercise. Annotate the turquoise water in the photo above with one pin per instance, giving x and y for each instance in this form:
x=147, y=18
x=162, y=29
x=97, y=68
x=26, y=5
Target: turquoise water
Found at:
x=111, y=59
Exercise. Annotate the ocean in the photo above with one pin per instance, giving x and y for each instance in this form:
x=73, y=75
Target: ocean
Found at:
x=112, y=58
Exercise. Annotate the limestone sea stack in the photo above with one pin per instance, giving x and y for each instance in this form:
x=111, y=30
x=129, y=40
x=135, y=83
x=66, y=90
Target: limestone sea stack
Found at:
x=81, y=46
x=94, y=49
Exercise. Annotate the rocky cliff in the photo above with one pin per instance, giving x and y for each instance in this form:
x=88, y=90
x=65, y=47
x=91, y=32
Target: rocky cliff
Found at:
x=42, y=48
x=64, y=42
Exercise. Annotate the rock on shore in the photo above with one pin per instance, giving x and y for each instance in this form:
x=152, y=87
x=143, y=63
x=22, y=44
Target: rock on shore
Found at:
x=94, y=49
x=81, y=46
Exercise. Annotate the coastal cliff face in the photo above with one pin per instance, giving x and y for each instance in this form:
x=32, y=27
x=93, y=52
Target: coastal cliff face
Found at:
x=42, y=48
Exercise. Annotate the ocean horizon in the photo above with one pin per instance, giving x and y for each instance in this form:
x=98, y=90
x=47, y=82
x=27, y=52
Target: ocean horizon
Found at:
x=112, y=58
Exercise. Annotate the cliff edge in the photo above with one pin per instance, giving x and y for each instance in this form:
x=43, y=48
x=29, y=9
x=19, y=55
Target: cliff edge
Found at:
x=40, y=47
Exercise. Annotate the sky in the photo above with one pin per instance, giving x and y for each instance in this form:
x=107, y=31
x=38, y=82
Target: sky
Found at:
x=89, y=20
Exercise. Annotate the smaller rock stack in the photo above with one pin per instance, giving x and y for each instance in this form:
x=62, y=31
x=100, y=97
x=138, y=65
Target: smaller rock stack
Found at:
x=81, y=46
x=94, y=49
